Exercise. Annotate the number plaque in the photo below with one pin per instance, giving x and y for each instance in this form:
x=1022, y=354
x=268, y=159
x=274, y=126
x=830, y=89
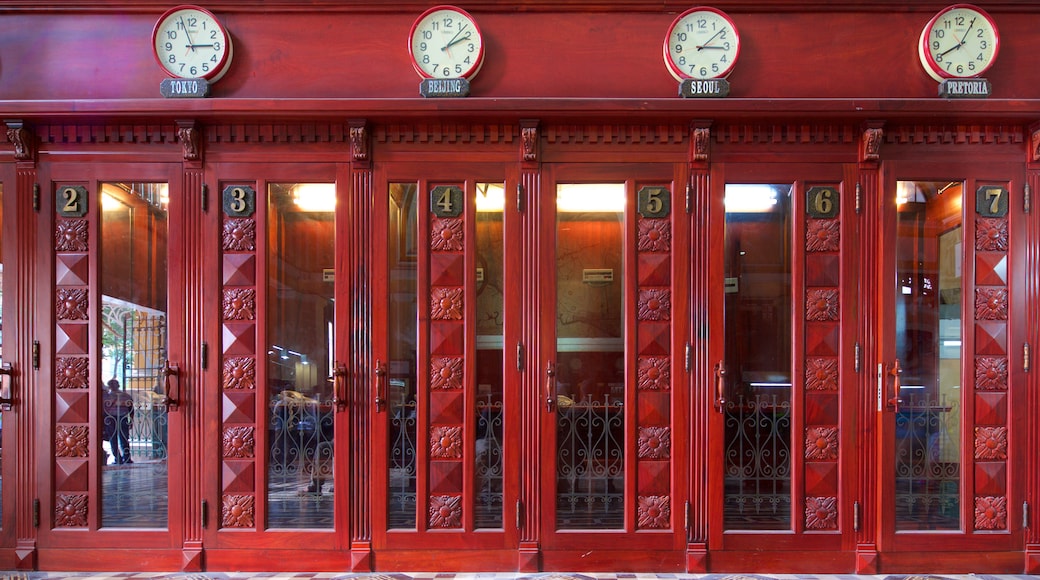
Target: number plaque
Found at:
x=654, y=202
x=71, y=200
x=822, y=202
x=239, y=200
x=991, y=201
x=446, y=201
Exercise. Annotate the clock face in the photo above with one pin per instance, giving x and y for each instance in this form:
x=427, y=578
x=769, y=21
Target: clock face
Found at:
x=445, y=43
x=702, y=43
x=189, y=42
x=960, y=41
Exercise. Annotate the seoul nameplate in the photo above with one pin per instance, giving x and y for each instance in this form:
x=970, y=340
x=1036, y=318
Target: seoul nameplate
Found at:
x=703, y=88
x=434, y=88
x=965, y=88
x=184, y=88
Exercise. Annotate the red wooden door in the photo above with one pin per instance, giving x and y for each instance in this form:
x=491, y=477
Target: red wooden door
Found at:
x=111, y=414
x=950, y=398
x=444, y=375
x=278, y=461
x=781, y=316
x=610, y=367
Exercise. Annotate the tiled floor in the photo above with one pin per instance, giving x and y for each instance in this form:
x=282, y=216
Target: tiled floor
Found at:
x=480, y=576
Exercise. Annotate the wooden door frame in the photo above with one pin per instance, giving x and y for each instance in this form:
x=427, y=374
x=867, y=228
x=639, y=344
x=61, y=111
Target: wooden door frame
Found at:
x=460, y=550
x=572, y=549
x=908, y=550
x=798, y=549
x=59, y=547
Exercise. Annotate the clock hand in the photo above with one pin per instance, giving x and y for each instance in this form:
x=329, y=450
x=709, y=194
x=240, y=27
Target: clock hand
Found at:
x=963, y=40
x=191, y=43
x=713, y=37
x=454, y=39
x=457, y=40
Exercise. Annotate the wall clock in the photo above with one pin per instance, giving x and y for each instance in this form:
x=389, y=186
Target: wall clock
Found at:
x=445, y=43
x=961, y=41
x=702, y=43
x=189, y=42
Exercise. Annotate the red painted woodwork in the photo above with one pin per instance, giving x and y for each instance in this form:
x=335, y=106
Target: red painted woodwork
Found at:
x=572, y=91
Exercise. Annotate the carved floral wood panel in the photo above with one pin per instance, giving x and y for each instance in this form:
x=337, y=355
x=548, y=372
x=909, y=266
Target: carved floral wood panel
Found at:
x=991, y=314
x=239, y=370
x=821, y=381
x=72, y=429
x=653, y=314
x=446, y=437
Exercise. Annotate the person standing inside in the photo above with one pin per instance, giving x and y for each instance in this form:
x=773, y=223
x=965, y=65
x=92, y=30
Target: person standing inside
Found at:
x=118, y=408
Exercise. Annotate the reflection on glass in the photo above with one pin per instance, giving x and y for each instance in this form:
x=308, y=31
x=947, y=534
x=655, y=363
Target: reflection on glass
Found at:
x=928, y=346
x=300, y=317
x=489, y=418
x=403, y=330
x=590, y=358
x=1, y=343
x=133, y=416
x=757, y=314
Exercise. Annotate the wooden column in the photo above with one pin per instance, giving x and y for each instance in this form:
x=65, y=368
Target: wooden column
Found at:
x=869, y=203
x=531, y=404
x=20, y=351
x=698, y=363
x=189, y=241
x=355, y=253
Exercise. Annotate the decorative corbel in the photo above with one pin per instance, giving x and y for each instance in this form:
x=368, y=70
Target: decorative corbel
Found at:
x=22, y=139
x=529, y=141
x=189, y=136
x=359, y=141
x=1034, y=150
x=700, y=144
x=870, y=152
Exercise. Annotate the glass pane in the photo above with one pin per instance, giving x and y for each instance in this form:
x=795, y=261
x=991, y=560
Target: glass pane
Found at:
x=301, y=240
x=757, y=410
x=1, y=343
x=133, y=350
x=403, y=330
x=928, y=346
x=490, y=290
x=590, y=357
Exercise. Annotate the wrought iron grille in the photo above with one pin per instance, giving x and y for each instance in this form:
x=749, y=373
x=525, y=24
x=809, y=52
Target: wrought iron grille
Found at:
x=489, y=466
x=401, y=509
x=928, y=470
x=758, y=462
x=590, y=464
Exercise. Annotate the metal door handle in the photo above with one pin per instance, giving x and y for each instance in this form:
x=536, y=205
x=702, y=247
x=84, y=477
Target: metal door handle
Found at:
x=720, y=387
x=6, y=386
x=171, y=383
x=895, y=401
x=550, y=387
x=380, y=386
x=339, y=398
